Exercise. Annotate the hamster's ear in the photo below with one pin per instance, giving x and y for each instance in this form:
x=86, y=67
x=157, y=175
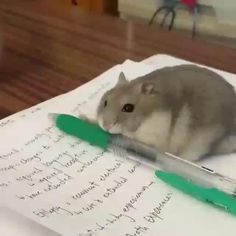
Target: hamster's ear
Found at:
x=122, y=80
x=147, y=88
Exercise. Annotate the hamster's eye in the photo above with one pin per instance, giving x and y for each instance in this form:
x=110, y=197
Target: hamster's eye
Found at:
x=105, y=103
x=128, y=107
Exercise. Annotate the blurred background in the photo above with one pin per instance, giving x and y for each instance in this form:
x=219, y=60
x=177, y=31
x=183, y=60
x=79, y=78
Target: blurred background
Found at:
x=53, y=46
x=215, y=19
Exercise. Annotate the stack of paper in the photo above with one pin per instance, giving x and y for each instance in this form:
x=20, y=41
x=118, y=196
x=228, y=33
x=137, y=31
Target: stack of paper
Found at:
x=76, y=189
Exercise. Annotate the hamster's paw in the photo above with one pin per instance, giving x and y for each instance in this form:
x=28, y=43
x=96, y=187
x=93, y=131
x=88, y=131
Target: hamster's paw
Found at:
x=87, y=119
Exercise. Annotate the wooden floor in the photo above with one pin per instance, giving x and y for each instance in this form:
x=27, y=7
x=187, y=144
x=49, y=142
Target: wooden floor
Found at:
x=52, y=48
x=56, y=8
x=29, y=58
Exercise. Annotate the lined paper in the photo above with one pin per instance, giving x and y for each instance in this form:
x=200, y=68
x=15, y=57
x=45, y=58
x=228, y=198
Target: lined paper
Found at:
x=77, y=189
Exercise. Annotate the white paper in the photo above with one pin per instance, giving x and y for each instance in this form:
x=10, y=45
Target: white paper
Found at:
x=76, y=189
x=13, y=223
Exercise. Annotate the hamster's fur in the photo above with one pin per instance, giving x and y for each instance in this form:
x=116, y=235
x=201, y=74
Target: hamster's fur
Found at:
x=185, y=110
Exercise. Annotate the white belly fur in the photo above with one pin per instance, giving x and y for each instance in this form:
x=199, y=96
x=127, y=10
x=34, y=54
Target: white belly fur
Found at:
x=180, y=133
x=155, y=131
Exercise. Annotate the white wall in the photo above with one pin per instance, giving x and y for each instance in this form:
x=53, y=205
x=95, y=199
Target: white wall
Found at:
x=220, y=21
x=225, y=9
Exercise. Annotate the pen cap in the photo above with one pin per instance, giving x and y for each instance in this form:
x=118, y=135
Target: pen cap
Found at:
x=83, y=130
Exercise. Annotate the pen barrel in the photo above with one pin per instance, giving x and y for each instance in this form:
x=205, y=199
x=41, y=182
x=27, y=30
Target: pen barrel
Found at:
x=198, y=174
x=166, y=161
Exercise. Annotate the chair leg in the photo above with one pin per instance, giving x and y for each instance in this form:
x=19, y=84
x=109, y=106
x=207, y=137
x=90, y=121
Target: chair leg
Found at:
x=164, y=18
x=170, y=10
x=155, y=13
x=172, y=19
x=195, y=14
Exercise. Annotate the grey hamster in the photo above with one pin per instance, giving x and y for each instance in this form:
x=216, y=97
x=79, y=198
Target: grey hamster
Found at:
x=185, y=110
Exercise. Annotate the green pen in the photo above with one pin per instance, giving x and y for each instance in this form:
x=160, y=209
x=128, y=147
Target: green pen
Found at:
x=197, y=181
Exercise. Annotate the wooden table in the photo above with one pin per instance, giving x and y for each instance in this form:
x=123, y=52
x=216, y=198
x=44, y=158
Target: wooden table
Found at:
x=45, y=56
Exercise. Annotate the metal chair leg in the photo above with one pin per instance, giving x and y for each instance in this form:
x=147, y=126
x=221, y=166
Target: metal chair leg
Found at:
x=172, y=12
x=164, y=18
x=195, y=14
x=155, y=13
x=172, y=19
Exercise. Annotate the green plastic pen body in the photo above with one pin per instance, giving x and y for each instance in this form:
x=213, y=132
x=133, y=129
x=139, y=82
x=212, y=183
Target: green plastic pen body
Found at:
x=83, y=130
x=96, y=136
x=212, y=196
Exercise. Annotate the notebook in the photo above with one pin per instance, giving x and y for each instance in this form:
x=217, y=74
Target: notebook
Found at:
x=74, y=189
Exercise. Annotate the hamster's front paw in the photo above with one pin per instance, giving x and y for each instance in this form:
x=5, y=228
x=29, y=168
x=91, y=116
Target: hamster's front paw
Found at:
x=87, y=119
x=83, y=117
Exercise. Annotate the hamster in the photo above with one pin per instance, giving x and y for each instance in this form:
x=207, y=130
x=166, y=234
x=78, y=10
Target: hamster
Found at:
x=185, y=110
